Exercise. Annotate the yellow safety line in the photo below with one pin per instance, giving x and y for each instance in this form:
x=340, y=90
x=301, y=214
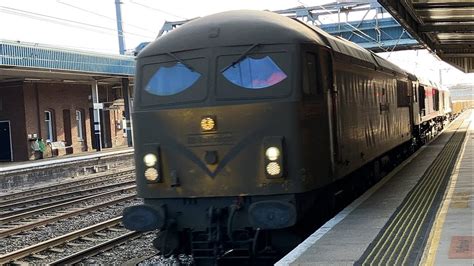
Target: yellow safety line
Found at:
x=415, y=206
x=432, y=248
x=429, y=199
x=401, y=214
x=421, y=207
x=427, y=185
x=393, y=230
x=406, y=209
x=444, y=174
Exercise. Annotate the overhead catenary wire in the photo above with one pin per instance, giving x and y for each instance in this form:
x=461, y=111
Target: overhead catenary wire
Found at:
x=104, y=16
x=358, y=30
x=158, y=10
x=367, y=37
x=65, y=22
x=396, y=44
x=53, y=21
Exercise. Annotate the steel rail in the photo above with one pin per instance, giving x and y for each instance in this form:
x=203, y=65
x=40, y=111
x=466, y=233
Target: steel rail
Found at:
x=104, y=246
x=21, y=228
x=24, y=252
x=57, y=187
x=79, y=193
x=21, y=215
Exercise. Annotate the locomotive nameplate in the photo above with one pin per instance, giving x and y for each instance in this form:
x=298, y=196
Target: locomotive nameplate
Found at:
x=210, y=139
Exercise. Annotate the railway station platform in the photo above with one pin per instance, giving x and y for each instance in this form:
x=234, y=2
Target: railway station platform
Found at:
x=12, y=166
x=24, y=174
x=419, y=214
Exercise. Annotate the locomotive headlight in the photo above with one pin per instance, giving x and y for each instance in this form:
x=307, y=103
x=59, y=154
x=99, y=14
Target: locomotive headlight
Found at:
x=273, y=169
x=274, y=157
x=151, y=174
x=272, y=153
x=150, y=159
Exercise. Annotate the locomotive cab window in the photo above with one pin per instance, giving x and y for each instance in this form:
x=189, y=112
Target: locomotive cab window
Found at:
x=168, y=79
x=316, y=72
x=256, y=75
x=310, y=85
x=171, y=80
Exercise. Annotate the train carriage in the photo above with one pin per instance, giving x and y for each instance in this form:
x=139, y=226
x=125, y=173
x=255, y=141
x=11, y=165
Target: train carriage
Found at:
x=431, y=109
x=245, y=120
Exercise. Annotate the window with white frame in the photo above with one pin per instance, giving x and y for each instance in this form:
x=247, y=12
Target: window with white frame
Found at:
x=80, y=128
x=48, y=119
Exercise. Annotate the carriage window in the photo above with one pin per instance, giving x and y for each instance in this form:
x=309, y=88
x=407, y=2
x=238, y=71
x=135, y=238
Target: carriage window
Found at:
x=171, y=80
x=253, y=73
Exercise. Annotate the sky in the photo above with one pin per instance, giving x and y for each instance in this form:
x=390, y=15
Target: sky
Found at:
x=91, y=25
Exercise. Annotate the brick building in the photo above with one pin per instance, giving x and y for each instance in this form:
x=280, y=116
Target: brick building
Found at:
x=55, y=102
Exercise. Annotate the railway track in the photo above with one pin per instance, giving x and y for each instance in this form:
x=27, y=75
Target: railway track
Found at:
x=48, y=198
x=75, y=196
x=20, y=223
x=68, y=185
x=73, y=247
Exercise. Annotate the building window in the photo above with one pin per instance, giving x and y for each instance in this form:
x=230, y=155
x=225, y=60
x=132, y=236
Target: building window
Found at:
x=80, y=123
x=48, y=119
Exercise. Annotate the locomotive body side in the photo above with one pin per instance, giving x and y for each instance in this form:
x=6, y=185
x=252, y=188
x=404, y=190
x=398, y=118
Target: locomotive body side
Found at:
x=373, y=114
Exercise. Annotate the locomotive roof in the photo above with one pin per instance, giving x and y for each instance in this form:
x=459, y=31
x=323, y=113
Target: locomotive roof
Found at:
x=241, y=27
x=244, y=27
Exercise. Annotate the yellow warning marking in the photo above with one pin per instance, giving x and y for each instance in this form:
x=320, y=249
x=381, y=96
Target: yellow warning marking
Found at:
x=408, y=219
x=397, y=240
x=435, y=235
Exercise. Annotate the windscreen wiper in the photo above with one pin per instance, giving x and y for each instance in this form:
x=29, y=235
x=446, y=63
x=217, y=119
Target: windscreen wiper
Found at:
x=242, y=56
x=181, y=61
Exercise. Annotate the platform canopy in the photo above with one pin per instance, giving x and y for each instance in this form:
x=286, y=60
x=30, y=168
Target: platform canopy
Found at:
x=445, y=27
x=20, y=60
